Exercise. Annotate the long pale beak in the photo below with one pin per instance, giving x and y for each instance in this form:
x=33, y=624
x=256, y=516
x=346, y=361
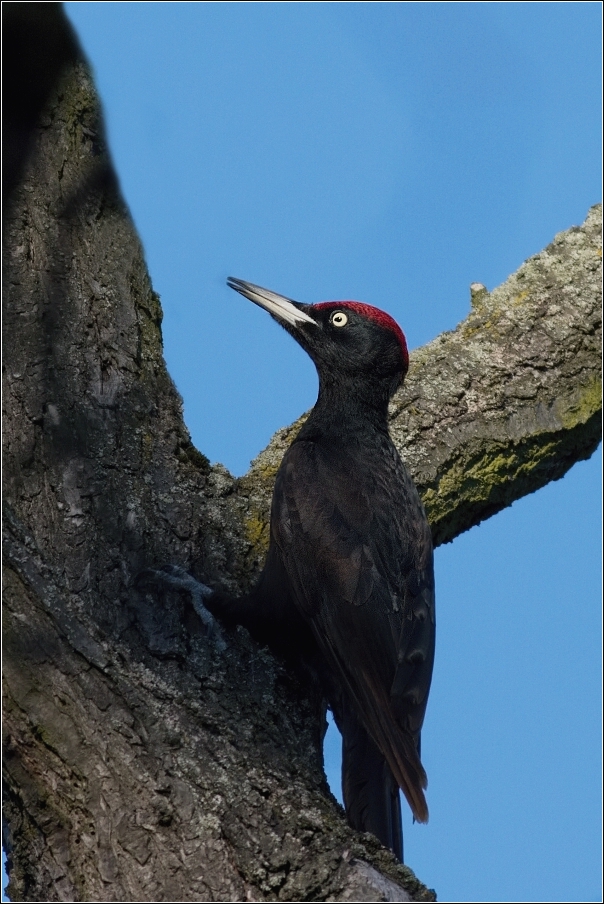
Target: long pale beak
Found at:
x=283, y=309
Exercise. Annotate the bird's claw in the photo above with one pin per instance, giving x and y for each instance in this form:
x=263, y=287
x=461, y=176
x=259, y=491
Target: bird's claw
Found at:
x=176, y=576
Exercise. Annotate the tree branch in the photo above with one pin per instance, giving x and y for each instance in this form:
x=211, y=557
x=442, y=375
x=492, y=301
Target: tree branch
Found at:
x=508, y=401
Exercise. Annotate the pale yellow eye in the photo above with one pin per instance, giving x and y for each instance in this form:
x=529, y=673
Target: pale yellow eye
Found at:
x=339, y=318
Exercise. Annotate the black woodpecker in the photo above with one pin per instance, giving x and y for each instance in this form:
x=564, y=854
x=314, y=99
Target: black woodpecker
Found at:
x=348, y=584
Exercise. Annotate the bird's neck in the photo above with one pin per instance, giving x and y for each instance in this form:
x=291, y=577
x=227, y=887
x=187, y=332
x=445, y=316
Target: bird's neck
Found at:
x=343, y=408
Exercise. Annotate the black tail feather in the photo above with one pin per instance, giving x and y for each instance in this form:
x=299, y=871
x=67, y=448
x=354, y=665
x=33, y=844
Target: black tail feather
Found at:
x=371, y=794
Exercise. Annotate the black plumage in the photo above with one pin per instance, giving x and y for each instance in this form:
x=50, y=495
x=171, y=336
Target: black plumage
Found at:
x=348, y=583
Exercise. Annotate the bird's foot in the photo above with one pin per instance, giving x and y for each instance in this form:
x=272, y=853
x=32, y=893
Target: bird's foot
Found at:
x=176, y=577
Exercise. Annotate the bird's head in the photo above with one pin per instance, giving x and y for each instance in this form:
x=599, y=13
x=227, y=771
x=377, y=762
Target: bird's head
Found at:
x=345, y=339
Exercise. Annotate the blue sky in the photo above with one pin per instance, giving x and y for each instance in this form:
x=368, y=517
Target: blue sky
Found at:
x=392, y=153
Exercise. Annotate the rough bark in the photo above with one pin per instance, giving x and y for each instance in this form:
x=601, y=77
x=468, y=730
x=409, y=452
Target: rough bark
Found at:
x=141, y=763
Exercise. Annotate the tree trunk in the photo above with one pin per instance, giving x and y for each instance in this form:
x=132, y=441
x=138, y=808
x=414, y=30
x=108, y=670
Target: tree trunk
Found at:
x=142, y=763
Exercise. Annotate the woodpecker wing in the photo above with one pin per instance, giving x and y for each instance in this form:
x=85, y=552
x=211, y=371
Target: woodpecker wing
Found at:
x=356, y=545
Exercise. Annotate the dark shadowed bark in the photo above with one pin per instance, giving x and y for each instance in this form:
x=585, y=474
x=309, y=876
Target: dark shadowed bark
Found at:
x=141, y=762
